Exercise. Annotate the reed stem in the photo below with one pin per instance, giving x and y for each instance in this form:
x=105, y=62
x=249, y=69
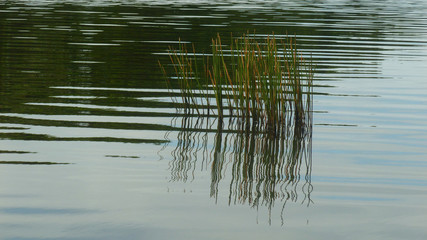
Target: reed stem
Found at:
x=265, y=83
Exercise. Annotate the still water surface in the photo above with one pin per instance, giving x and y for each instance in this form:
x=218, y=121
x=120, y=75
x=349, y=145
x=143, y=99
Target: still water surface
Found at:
x=91, y=146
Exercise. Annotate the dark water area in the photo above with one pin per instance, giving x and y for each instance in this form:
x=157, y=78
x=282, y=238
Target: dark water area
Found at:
x=91, y=145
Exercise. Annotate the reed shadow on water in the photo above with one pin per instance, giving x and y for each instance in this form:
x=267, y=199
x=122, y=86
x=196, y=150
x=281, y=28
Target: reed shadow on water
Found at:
x=247, y=116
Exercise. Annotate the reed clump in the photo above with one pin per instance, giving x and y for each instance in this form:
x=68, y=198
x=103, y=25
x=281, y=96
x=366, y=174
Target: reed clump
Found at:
x=263, y=84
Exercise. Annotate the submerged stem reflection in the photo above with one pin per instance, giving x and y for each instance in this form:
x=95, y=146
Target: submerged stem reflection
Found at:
x=259, y=168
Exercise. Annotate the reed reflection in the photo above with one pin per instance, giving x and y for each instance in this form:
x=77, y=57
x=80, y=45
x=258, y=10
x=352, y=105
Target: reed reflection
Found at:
x=260, y=169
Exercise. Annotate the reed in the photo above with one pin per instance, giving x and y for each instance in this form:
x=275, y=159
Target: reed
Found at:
x=265, y=84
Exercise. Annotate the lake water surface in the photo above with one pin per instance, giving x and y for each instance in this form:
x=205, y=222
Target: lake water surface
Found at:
x=91, y=146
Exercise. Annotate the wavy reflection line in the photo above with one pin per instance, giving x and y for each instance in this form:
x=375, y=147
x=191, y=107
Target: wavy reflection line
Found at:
x=261, y=169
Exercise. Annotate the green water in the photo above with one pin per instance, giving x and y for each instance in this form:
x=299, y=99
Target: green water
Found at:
x=91, y=146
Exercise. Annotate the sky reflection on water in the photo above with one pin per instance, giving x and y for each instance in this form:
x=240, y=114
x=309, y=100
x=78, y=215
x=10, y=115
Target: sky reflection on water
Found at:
x=80, y=84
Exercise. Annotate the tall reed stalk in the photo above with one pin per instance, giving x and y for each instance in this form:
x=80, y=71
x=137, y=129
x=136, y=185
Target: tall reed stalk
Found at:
x=265, y=84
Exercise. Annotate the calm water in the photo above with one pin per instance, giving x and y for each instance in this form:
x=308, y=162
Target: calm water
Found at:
x=91, y=146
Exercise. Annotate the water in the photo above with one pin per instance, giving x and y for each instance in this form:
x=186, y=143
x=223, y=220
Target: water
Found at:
x=90, y=146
